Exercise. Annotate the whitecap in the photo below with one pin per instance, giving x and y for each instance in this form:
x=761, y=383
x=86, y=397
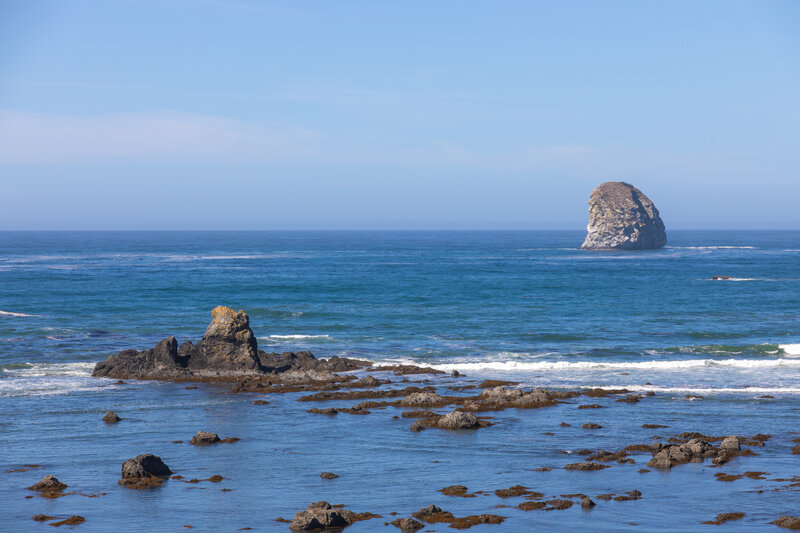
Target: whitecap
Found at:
x=294, y=337
x=534, y=366
x=11, y=313
x=792, y=350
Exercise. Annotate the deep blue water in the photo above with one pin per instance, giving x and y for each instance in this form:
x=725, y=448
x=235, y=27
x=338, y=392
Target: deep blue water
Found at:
x=527, y=306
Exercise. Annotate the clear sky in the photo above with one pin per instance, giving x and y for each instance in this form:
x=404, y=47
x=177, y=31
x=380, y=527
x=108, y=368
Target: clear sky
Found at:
x=245, y=114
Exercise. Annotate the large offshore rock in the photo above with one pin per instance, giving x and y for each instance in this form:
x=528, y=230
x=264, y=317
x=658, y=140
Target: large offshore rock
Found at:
x=621, y=217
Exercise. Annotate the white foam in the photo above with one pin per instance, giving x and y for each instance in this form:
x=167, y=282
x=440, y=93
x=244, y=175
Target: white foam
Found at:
x=294, y=337
x=11, y=313
x=534, y=366
x=740, y=279
x=721, y=247
x=51, y=370
x=790, y=349
x=709, y=390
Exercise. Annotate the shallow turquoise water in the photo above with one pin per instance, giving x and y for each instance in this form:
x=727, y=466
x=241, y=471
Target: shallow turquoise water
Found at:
x=526, y=306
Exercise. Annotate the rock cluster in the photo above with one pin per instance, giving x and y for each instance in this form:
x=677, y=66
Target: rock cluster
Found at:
x=665, y=456
x=621, y=217
x=228, y=349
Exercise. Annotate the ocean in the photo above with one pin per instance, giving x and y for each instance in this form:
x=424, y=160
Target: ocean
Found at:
x=524, y=306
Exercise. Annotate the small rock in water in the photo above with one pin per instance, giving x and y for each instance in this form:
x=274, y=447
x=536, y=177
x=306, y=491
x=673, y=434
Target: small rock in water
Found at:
x=407, y=524
x=788, y=522
x=587, y=503
x=205, y=437
x=720, y=277
x=48, y=483
x=111, y=418
x=144, y=471
x=328, y=475
x=321, y=515
x=71, y=521
x=458, y=420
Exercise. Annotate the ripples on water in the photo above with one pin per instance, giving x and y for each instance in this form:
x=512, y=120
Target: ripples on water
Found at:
x=525, y=306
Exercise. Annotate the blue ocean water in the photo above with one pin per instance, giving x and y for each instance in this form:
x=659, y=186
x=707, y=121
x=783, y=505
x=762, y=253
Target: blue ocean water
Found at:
x=526, y=306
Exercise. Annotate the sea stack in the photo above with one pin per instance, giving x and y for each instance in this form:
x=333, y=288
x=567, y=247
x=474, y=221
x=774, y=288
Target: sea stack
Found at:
x=621, y=217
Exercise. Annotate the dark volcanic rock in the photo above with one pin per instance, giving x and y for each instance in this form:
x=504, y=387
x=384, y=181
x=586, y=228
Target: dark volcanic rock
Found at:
x=321, y=515
x=228, y=349
x=621, y=217
x=144, y=471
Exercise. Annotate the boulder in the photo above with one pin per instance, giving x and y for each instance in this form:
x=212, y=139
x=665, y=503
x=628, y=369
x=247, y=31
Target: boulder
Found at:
x=621, y=217
x=321, y=515
x=48, y=483
x=144, y=471
x=730, y=445
x=205, y=437
x=458, y=420
x=111, y=418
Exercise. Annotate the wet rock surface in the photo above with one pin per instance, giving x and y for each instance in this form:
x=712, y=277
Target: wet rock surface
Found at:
x=407, y=524
x=787, y=522
x=204, y=438
x=144, y=471
x=111, y=418
x=324, y=516
x=621, y=217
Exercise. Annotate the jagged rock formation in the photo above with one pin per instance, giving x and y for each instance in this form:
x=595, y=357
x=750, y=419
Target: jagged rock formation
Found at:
x=227, y=350
x=621, y=217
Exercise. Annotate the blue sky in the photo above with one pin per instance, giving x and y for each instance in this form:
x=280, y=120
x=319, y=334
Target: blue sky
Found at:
x=243, y=114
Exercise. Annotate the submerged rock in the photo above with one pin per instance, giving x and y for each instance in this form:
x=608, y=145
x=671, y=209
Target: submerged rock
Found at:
x=621, y=217
x=228, y=349
x=111, y=418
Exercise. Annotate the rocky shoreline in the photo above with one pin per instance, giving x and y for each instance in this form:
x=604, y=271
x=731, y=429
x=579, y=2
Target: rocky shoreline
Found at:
x=431, y=400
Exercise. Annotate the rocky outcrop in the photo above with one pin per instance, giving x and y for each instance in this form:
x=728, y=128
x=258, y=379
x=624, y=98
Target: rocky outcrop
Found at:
x=621, y=217
x=228, y=349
